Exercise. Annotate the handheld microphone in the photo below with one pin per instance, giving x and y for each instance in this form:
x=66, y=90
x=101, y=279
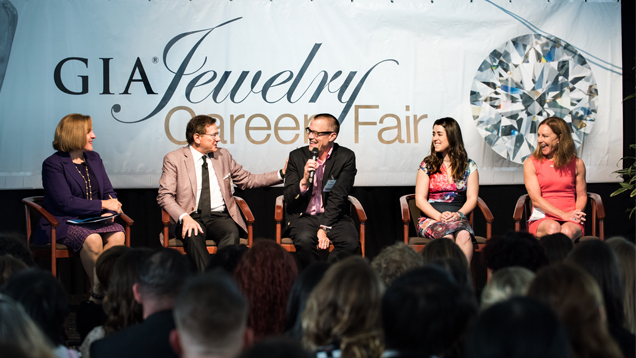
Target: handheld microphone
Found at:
x=314, y=156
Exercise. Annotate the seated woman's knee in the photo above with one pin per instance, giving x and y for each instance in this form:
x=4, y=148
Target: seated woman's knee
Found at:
x=552, y=227
x=571, y=231
x=117, y=238
x=93, y=243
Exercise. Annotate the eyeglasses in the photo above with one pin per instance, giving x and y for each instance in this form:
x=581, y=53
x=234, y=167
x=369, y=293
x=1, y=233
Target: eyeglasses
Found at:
x=213, y=135
x=316, y=134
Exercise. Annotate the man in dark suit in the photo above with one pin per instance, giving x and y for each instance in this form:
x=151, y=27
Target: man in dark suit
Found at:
x=316, y=208
x=161, y=276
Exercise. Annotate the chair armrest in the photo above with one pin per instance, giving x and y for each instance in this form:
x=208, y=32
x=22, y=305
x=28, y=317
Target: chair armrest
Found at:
x=165, y=218
x=485, y=210
x=45, y=214
x=600, y=209
x=404, y=206
x=278, y=213
x=362, y=216
x=245, y=209
x=127, y=220
x=521, y=203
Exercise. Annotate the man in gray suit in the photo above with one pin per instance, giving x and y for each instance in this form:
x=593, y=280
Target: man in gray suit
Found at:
x=208, y=211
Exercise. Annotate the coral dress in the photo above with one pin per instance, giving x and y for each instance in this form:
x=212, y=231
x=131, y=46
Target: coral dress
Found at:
x=558, y=187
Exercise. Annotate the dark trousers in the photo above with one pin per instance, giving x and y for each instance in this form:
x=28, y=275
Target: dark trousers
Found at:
x=343, y=236
x=220, y=227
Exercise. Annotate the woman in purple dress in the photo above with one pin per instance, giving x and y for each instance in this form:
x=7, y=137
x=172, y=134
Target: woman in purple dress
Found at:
x=76, y=186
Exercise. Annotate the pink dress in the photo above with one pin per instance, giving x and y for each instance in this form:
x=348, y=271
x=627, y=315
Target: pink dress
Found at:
x=558, y=187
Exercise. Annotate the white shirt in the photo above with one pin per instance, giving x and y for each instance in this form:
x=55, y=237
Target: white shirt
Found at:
x=216, y=198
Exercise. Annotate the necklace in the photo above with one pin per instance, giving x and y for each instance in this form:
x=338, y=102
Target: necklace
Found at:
x=87, y=182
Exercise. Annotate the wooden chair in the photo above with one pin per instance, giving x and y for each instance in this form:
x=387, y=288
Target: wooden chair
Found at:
x=595, y=218
x=356, y=212
x=34, y=211
x=176, y=244
x=411, y=215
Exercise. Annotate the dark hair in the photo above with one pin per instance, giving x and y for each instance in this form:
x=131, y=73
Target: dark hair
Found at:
x=106, y=262
x=595, y=257
x=457, y=153
x=626, y=254
x=14, y=244
x=446, y=249
x=426, y=313
x=121, y=309
x=163, y=273
x=518, y=328
x=514, y=249
x=305, y=283
x=393, y=261
x=566, y=149
x=456, y=268
x=557, y=246
x=227, y=258
x=198, y=125
x=212, y=312
x=335, y=125
x=265, y=275
x=278, y=347
x=9, y=266
x=43, y=299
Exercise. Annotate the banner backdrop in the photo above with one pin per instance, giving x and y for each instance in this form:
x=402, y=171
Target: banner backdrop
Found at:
x=386, y=69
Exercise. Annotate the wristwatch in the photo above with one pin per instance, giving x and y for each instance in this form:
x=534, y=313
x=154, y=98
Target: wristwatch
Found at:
x=325, y=229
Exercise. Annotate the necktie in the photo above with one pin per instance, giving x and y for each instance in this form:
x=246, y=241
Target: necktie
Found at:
x=204, y=201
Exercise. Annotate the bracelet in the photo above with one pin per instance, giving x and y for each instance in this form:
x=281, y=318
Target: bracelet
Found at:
x=461, y=215
x=94, y=295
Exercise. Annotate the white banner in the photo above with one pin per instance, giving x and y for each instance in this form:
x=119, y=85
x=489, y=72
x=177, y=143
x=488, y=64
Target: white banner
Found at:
x=386, y=69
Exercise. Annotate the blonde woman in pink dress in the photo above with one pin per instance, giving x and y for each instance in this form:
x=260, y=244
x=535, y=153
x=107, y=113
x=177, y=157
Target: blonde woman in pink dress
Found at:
x=555, y=180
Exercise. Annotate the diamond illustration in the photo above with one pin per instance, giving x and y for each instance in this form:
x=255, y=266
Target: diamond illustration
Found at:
x=526, y=80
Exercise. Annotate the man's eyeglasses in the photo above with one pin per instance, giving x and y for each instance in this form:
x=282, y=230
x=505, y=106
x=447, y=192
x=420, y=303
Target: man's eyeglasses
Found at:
x=316, y=134
x=213, y=135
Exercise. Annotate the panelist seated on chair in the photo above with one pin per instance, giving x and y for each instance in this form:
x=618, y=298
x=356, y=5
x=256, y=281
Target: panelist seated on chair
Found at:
x=555, y=180
x=317, y=209
x=76, y=186
x=208, y=211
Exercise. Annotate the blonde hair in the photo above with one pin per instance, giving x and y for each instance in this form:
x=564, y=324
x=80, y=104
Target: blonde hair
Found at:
x=18, y=329
x=71, y=132
x=506, y=283
x=626, y=253
x=566, y=149
x=345, y=308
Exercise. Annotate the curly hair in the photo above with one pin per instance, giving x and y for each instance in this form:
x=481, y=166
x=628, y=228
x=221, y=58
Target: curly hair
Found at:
x=121, y=309
x=566, y=149
x=345, y=309
x=514, y=249
x=394, y=261
x=265, y=275
x=457, y=153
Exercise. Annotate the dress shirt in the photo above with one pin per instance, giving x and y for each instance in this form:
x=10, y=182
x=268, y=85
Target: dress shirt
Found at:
x=315, y=203
x=216, y=198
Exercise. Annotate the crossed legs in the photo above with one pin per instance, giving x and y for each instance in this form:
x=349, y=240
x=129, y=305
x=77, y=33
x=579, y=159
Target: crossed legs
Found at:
x=94, y=245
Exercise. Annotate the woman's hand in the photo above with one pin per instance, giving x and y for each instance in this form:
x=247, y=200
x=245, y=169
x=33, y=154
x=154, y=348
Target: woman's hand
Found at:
x=108, y=214
x=448, y=216
x=575, y=215
x=112, y=205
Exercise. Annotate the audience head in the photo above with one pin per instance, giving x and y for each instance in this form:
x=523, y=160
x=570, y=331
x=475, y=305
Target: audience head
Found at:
x=265, y=275
x=514, y=249
x=595, y=257
x=106, y=262
x=9, y=266
x=227, y=258
x=344, y=309
x=626, y=253
x=557, y=246
x=120, y=306
x=305, y=283
x=19, y=333
x=577, y=300
x=211, y=317
x=43, y=299
x=426, y=313
x=459, y=272
x=394, y=261
x=518, y=328
x=161, y=276
x=505, y=284
x=71, y=132
x=276, y=348
x=14, y=244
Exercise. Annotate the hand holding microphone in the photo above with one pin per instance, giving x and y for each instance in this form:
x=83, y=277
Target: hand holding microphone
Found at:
x=314, y=156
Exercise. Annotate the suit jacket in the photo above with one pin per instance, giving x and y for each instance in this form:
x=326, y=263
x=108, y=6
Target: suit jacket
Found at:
x=178, y=183
x=65, y=192
x=341, y=166
x=149, y=338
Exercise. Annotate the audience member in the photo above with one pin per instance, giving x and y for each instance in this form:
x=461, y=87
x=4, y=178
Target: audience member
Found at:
x=265, y=275
x=626, y=253
x=514, y=249
x=518, y=328
x=458, y=272
x=557, y=246
x=425, y=314
x=446, y=249
x=45, y=301
x=343, y=311
x=227, y=258
x=506, y=283
x=160, y=278
x=9, y=265
x=14, y=244
x=305, y=283
x=577, y=300
x=211, y=318
x=277, y=348
x=596, y=257
x=395, y=260
x=19, y=335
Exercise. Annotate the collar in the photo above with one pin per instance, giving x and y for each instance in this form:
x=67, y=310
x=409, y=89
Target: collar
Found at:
x=196, y=154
